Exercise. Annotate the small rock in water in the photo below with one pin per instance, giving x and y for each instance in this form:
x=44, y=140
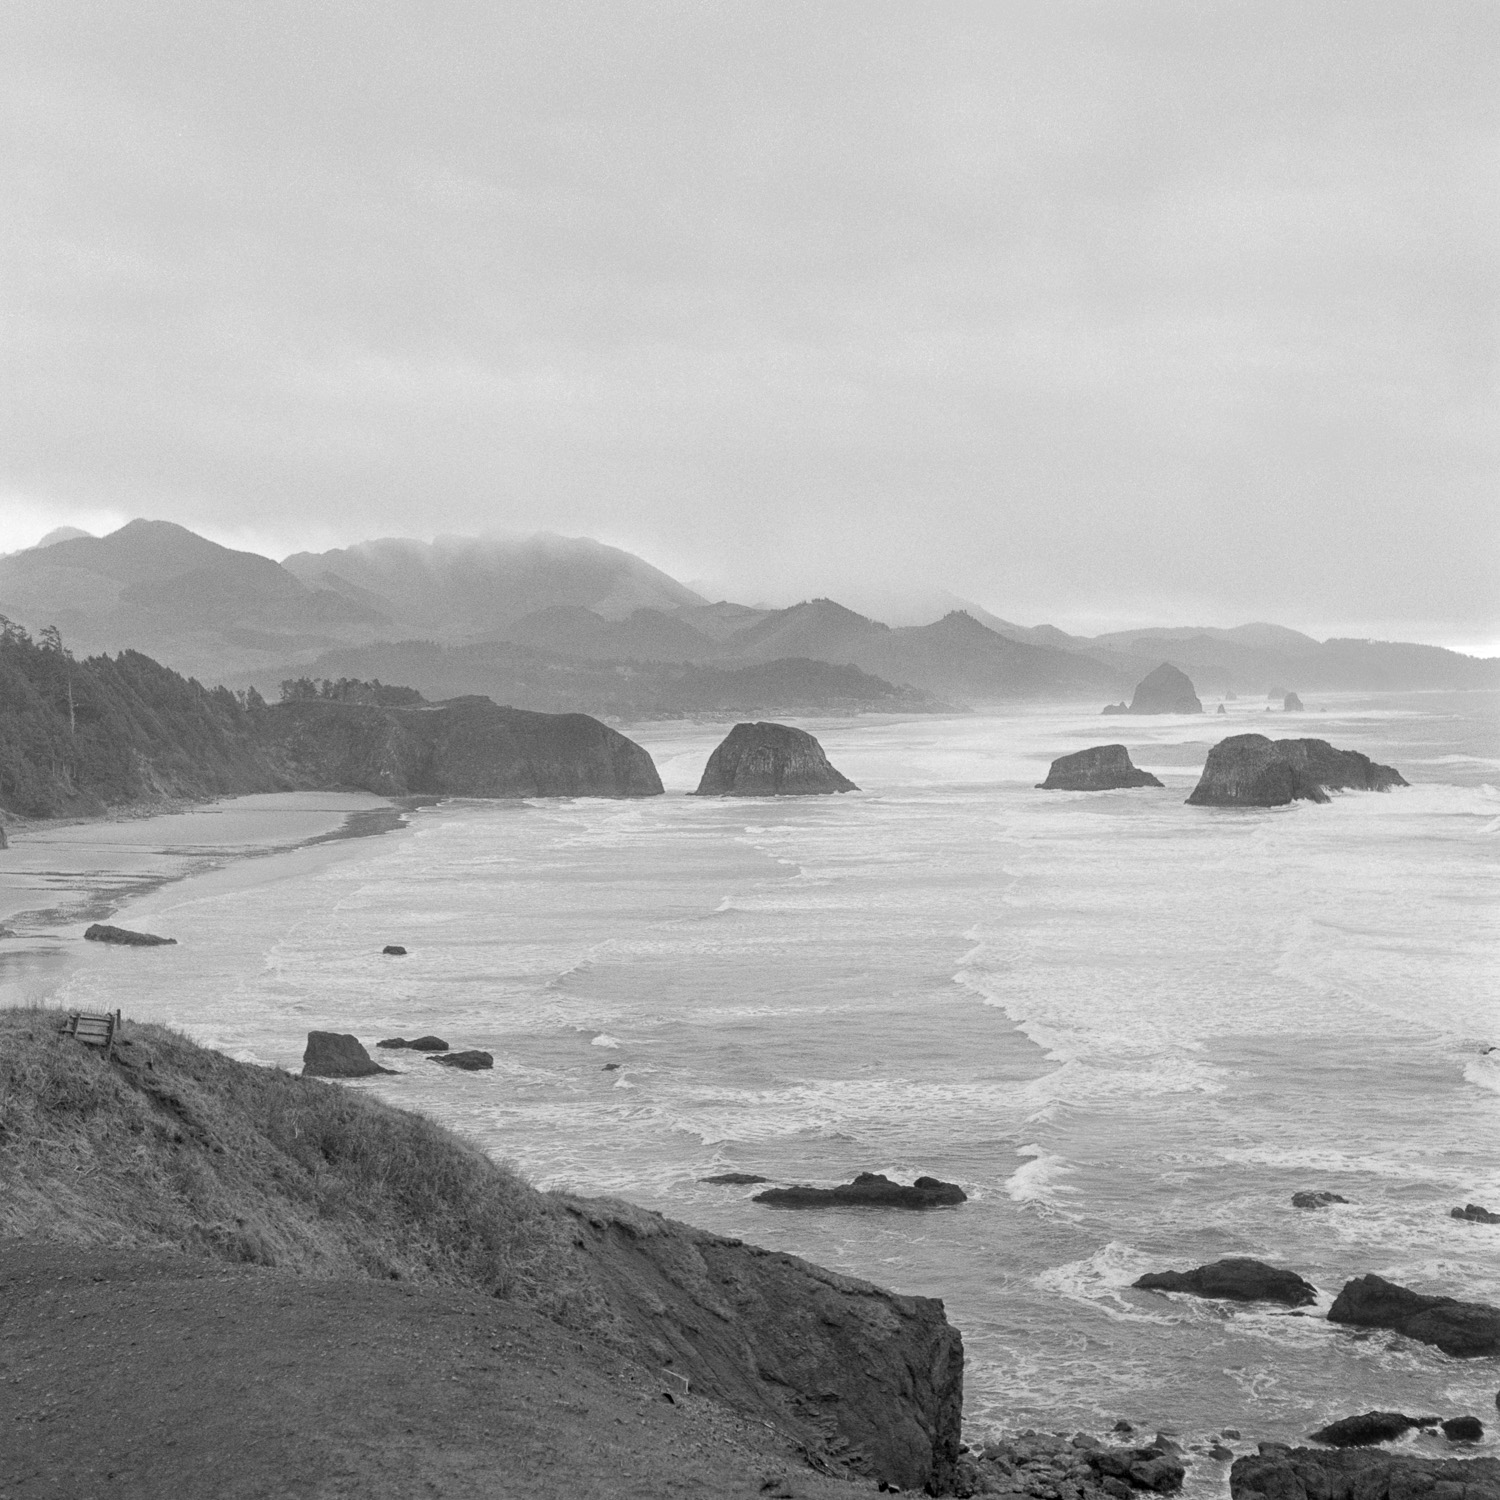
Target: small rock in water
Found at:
x=1475, y=1213
x=735, y=1179
x=470, y=1062
x=102, y=932
x=610, y=1068
x=420, y=1044
x=1365, y=1430
x=1123, y=1426
x=1229, y=1432
x=395, y=950
x=1237, y=1278
x=1221, y=1454
x=1464, y=1429
x=1315, y=1200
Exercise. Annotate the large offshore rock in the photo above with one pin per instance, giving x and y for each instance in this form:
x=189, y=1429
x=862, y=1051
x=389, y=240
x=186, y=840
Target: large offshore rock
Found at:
x=1249, y=770
x=466, y=747
x=1101, y=768
x=335, y=1054
x=1463, y=1329
x=1167, y=690
x=833, y=1360
x=1238, y=1278
x=1278, y=1473
x=868, y=1190
x=769, y=760
x=1368, y=1429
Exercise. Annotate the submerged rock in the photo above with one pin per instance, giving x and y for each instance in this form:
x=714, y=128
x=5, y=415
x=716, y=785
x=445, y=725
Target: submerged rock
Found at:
x=1367, y=1429
x=770, y=760
x=868, y=1190
x=735, y=1179
x=470, y=1062
x=1167, y=690
x=1237, y=1278
x=335, y=1054
x=1101, y=768
x=1279, y=1473
x=418, y=1044
x=101, y=932
x=1463, y=1329
x=1315, y=1200
x=1475, y=1213
x=1249, y=770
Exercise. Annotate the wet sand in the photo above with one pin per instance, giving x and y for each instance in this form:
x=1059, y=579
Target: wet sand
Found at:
x=56, y=878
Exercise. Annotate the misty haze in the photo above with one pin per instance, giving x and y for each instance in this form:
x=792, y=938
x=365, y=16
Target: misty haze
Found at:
x=750, y=751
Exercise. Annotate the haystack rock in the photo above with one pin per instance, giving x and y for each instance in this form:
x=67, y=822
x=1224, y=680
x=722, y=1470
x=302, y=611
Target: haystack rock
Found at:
x=1220, y=708
x=1102, y=768
x=1249, y=770
x=1167, y=690
x=770, y=760
x=333, y=1054
x=1292, y=704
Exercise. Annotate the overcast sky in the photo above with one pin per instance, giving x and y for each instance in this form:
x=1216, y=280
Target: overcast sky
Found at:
x=1096, y=313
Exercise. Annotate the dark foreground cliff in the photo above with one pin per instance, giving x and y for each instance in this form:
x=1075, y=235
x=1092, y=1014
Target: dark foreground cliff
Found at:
x=1249, y=770
x=172, y=1146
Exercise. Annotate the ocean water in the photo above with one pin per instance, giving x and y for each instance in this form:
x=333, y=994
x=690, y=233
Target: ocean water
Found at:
x=1130, y=1029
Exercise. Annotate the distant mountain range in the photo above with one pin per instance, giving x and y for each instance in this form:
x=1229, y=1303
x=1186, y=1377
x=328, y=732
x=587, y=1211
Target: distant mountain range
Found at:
x=555, y=623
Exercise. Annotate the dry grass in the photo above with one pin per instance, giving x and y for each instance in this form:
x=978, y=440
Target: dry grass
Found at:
x=172, y=1144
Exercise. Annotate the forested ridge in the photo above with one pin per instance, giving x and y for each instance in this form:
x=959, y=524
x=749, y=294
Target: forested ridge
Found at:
x=79, y=736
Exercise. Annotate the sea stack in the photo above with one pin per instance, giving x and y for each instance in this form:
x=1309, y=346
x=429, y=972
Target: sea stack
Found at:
x=1292, y=704
x=770, y=760
x=1249, y=770
x=1101, y=768
x=1167, y=690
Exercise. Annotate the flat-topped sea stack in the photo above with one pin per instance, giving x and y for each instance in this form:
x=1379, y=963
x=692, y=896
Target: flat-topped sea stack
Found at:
x=1249, y=770
x=770, y=760
x=1167, y=690
x=1101, y=768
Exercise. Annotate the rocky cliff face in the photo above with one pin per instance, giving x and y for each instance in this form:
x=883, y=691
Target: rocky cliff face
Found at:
x=770, y=760
x=857, y=1373
x=1249, y=770
x=468, y=747
x=1101, y=768
x=1165, y=691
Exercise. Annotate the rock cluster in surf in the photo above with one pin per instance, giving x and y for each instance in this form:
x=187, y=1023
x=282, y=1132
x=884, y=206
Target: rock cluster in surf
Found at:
x=770, y=760
x=1249, y=770
x=868, y=1190
x=1283, y=1473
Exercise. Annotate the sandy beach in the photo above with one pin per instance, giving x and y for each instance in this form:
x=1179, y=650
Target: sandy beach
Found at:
x=56, y=878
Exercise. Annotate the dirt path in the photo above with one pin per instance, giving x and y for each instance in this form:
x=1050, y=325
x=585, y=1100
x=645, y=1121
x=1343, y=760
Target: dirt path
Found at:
x=161, y=1376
